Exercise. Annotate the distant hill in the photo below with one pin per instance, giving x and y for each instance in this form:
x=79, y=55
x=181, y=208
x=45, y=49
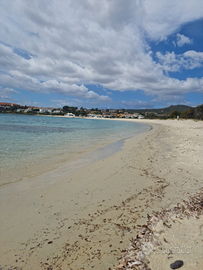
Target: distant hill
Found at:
x=8, y=104
x=168, y=110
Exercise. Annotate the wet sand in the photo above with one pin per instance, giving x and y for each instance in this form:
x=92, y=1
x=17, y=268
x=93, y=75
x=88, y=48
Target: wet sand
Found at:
x=84, y=219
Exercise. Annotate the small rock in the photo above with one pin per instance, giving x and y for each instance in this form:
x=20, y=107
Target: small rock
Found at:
x=176, y=264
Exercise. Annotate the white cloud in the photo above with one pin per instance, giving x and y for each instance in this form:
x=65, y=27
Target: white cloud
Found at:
x=195, y=55
x=137, y=104
x=173, y=63
x=71, y=44
x=174, y=44
x=63, y=102
x=162, y=18
x=181, y=40
x=73, y=90
x=17, y=79
x=6, y=93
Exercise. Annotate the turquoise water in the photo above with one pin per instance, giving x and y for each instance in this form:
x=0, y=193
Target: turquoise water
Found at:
x=30, y=145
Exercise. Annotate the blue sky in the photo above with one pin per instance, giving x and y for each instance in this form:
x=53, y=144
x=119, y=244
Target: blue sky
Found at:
x=104, y=54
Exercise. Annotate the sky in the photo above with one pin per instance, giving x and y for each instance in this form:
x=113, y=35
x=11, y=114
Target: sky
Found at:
x=131, y=54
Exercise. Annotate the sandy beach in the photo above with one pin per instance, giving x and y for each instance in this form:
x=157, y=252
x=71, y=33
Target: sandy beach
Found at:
x=84, y=219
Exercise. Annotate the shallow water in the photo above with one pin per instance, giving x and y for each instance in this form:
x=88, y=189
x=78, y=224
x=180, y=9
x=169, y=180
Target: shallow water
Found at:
x=30, y=145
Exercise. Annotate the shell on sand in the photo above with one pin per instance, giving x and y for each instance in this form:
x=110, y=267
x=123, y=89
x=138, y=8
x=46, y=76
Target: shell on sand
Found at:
x=147, y=238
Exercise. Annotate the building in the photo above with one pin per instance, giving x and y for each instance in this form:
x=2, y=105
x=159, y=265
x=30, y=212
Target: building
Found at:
x=71, y=115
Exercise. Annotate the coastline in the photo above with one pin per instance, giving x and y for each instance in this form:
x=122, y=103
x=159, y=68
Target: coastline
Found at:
x=84, y=220
x=30, y=151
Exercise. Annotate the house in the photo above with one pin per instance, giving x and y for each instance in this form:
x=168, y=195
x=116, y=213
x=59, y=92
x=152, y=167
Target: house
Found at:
x=107, y=115
x=56, y=111
x=71, y=115
x=20, y=110
x=45, y=110
x=135, y=115
x=41, y=110
x=92, y=115
x=27, y=110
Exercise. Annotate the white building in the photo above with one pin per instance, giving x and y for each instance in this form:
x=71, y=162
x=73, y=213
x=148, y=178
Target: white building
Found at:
x=69, y=115
x=44, y=110
x=56, y=111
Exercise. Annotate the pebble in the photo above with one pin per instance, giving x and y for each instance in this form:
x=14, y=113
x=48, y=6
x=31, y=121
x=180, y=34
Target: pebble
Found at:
x=176, y=264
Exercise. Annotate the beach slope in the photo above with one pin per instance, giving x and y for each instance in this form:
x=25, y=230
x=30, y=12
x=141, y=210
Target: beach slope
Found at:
x=84, y=219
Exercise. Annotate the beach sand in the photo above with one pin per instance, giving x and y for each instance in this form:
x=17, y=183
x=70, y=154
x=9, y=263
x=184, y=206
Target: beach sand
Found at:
x=84, y=219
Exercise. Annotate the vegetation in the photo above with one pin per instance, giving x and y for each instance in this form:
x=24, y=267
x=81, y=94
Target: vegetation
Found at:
x=193, y=113
x=174, y=114
x=162, y=111
x=184, y=112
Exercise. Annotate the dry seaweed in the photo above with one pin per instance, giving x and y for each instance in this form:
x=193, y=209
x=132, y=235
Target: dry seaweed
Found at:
x=135, y=256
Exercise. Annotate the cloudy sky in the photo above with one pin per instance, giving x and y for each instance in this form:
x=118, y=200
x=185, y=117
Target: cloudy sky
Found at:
x=104, y=54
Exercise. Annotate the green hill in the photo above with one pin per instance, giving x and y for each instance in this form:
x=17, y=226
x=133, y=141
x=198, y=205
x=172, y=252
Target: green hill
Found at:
x=167, y=111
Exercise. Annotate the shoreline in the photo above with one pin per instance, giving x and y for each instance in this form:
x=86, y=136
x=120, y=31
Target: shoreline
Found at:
x=36, y=164
x=84, y=220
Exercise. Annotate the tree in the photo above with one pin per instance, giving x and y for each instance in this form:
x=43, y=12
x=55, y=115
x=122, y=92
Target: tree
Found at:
x=189, y=114
x=174, y=114
x=66, y=108
x=14, y=108
x=198, y=111
x=193, y=113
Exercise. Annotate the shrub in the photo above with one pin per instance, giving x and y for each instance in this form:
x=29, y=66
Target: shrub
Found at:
x=174, y=114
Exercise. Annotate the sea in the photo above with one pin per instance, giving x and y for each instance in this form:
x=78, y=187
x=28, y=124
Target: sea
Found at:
x=31, y=145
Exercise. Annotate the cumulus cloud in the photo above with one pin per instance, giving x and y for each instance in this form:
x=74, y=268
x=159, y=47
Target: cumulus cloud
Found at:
x=137, y=104
x=63, y=102
x=173, y=63
x=6, y=93
x=162, y=18
x=73, y=90
x=63, y=46
x=181, y=40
